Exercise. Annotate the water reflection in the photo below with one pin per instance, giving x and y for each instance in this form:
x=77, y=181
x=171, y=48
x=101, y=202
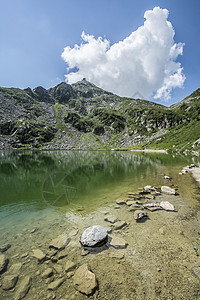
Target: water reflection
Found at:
x=35, y=179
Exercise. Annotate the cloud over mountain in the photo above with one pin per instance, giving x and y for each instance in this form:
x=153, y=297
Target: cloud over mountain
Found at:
x=143, y=63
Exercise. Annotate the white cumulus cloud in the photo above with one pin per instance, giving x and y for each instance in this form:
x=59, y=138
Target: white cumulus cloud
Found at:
x=143, y=63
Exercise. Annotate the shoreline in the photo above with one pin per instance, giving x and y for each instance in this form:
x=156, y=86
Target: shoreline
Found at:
x=149, y=151
x=196, y=174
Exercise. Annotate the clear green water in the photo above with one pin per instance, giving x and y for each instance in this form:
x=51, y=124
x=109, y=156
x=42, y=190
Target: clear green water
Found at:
x=83, y=180
x=45, y=194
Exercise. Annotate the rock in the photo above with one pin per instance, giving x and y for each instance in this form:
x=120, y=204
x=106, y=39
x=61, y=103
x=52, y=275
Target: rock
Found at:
x=111, y=219
x=84, y=280
x=63, y=253
x=140, y=215
x=55, y=284
x=168, y=190
x=3, y=263
x=116, y=254
x=94, y=236
x=162, y=230
x=84, y=252
x=167, y=177
x=58, y=268
x=23, y=288
x=119, y=225
x=60, y=242
x=4, y=247
x=192, y=166
x=166, y=205
x=148, y=188
x=15, y=269
x=196, y=271
x=184, y=171
x=34, y=230
x=118, y=243
x=130, y=202
x=121, y=201
x=150, y=205
x=70, y=265
x=37, y=253
x=24, y=255
x=9, y=282
x=47, y=273
x=134, y=207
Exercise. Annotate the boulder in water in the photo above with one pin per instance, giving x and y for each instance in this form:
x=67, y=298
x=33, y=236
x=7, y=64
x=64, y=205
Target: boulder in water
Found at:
x=94, y=236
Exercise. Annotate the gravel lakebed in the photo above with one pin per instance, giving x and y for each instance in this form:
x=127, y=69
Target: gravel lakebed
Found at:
x=154, y=258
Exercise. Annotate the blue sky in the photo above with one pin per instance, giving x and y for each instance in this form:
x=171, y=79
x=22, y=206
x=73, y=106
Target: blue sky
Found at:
x=34, y=33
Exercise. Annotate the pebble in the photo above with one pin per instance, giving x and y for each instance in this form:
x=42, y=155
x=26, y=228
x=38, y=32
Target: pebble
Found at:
x=55, y=284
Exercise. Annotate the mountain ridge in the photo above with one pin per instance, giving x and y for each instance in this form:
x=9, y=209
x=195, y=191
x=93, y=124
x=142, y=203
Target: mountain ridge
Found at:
x=84, y=116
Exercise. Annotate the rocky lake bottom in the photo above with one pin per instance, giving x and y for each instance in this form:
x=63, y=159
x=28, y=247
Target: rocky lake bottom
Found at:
x=41, y=253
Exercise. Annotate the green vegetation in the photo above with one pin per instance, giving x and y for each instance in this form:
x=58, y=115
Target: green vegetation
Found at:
x=67, y=114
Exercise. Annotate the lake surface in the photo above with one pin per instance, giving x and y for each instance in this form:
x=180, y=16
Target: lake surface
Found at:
x=49, y=192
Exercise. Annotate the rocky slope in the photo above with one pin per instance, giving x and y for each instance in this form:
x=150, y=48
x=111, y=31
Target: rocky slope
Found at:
x=84, y=116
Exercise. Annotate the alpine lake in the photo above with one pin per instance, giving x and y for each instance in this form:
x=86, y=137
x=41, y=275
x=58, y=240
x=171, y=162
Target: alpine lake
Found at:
x=45, y=195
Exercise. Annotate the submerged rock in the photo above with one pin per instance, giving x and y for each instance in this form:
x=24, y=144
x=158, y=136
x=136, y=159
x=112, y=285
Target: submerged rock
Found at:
x=167, y=177
x=111, y=219
x=120, y=201
x=15, y=269
x=119, y=225
x=70, y=265
x=168, y=190
x=4, y=247
x=140, y=215
x=37, y=253
x=94, y=236
x=47, y=273
x=60, y=242
x=84, y=280
x=3, y=263
x=149, y=188
x=166, y=205
x=9, y=282
x=118, y=243
x=55, y=284
x=23, y=288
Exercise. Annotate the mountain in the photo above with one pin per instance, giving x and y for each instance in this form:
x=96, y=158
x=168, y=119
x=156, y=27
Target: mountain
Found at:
x=84, y=116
